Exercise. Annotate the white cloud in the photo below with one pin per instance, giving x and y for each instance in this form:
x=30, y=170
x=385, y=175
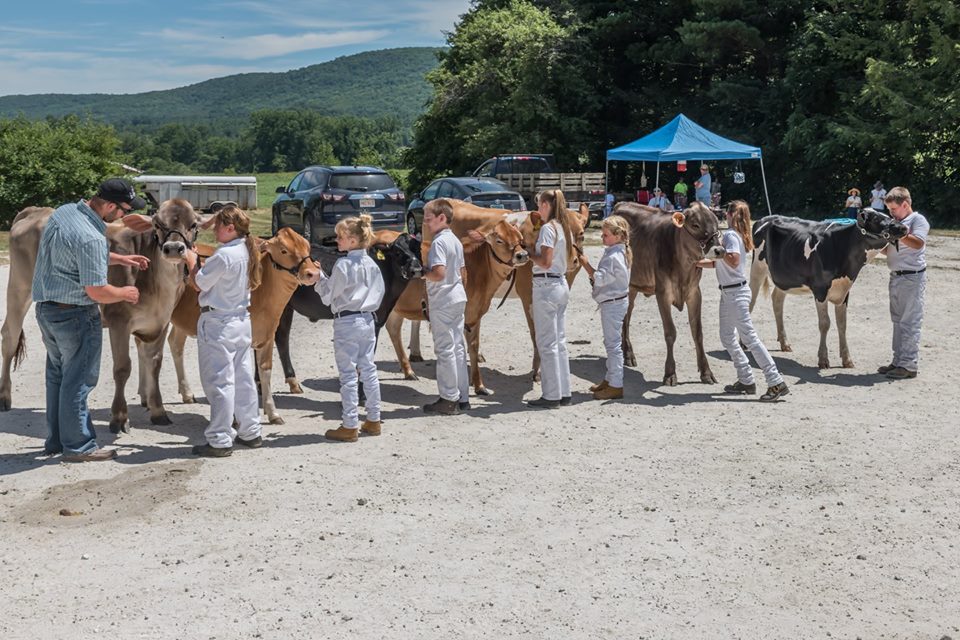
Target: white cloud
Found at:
x=268, y=45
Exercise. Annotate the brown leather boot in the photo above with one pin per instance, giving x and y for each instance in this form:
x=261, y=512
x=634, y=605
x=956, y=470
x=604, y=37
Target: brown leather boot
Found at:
x=608, y=393
x=371, y=428
x=342, y=434
x=600, y=385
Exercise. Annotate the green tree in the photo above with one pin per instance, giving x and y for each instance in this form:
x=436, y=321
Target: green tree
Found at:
x=48, y=163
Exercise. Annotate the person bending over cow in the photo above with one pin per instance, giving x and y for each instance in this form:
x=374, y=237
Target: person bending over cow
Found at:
x=69, y=280
x=554, y=248
x=735, y=308
x=354, y=292
x=224, y=334
x=611, y=286
x=445, y=272
x=908, y=282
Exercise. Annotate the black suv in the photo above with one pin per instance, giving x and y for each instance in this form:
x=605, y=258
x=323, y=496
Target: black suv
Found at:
x=318, y=197
x=483, y=192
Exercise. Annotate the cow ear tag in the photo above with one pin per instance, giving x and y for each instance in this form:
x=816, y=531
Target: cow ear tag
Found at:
x=380, y=255
x=678, y=220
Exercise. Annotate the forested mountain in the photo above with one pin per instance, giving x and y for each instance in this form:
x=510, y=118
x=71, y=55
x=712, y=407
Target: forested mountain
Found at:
x=372, y=84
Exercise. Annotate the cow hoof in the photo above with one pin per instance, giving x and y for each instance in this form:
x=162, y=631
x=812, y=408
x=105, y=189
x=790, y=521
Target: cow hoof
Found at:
x=824, y=364
x=118, y=426
x=188, y=399
x=670, y=380
x=480, y=358
x=535, y=376
x=848, y=364
x=294, y=385
x=415, y=358
x=483, y=391
x=162, y=419
x=410, y=375
x=630, y=361
x=707, y=378
x=786, y=348
x=5, y=404
x=277, y=420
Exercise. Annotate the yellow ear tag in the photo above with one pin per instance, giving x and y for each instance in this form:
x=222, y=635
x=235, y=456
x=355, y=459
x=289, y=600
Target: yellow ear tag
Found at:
x=380, y=255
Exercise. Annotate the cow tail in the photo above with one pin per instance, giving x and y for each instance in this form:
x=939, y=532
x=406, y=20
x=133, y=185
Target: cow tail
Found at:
x=21, y=351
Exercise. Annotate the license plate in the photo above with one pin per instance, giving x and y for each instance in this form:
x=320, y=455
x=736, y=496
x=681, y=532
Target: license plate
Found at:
x=497, y=205
x=367, y=203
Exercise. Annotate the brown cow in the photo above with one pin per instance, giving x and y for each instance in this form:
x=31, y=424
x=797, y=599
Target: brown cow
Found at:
x=286, y=261
x=488, y=264
x=170, y=232
x=665, y=249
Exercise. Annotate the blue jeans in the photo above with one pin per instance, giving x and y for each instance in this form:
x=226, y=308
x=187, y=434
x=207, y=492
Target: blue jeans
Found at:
x=73, y=338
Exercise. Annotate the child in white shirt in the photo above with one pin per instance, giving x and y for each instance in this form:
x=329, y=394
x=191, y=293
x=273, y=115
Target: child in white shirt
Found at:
x=354, y=290
x=611, y=286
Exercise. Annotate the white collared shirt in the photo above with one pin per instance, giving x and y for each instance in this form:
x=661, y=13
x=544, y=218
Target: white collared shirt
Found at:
x=611, y=279
x=732, y=243
x=223, y=279
x=447, y=250
x=900, y=257
x=355, y=284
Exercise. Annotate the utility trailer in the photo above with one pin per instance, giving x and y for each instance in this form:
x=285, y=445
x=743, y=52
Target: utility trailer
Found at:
x=205, y=193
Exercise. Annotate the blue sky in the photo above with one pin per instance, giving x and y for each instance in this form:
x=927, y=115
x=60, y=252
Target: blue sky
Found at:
x=129, y=46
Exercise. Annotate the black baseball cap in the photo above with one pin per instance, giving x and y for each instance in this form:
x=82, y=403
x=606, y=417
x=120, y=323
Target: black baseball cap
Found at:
x=119, y=191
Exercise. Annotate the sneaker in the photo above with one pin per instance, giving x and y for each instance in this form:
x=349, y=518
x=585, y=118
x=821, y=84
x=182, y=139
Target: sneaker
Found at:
x=370, y=427
x=900, y=373
x=443, y=407
x=600, y=385
x=543, y=403
x=885, y=369
x=775, y=392
x=252, y=443
x=97, y=455
x=742, y=389
x=464, y=406
x=208, y=451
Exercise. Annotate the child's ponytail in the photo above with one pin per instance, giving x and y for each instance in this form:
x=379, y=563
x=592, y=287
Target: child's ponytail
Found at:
x=232, y=214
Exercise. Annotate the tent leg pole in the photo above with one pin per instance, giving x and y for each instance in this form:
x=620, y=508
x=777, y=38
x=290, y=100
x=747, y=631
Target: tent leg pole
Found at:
x=658, y=175
x=606, y=179
x=766, y=194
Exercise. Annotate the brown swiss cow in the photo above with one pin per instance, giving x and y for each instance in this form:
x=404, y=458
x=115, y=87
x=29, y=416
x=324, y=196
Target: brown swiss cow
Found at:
x=666, y=248
x=286, y=262
x=488, y=262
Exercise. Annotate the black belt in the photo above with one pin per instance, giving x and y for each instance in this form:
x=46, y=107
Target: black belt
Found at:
x=614, y=299
x=547, y=275
x=64, y=305
x=343, y=314
x=908, y=273
x=206, y=309
x=732, y=286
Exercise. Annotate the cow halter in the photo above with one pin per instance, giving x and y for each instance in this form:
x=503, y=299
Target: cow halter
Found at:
x=167, y=233
x=703, y=243
x=294, y=271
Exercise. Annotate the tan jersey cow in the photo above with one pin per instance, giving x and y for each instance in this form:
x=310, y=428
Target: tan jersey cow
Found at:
x=286, y=261
x=666, y=248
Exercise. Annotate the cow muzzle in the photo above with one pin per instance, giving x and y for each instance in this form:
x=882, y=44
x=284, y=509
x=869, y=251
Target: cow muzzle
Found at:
x=173, y=251
x=716, y=252
x=520, y=258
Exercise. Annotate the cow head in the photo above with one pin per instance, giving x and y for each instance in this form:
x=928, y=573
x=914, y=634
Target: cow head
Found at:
x=403, y=253
x=702, y=227
x=505, y=242
x=880, y=226
x=530, y=229
x=175, y=227
x=290, y=252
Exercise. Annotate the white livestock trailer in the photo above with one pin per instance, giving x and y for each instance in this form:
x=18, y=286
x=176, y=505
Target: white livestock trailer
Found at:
x=205, y=193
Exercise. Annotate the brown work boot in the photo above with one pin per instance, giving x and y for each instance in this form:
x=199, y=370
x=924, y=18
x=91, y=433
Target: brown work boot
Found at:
x=600, y=385
x=901, y=373
x=371, y=428
x=342, y=434
x=443, y=407
x=608, y=393
x=775, y=392
x=97, y=455
x=885, y=369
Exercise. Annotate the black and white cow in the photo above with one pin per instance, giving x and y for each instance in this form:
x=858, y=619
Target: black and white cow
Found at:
x=397, y=255
x=825, y=258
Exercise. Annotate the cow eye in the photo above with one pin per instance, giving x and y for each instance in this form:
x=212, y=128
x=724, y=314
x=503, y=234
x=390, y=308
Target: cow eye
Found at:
x=499, y=241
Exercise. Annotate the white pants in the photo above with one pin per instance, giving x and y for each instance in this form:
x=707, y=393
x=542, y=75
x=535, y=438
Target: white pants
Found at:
x=906, y=311
x=226, y=373
x=611, y=318
x=354, y=347
x=734, y=320
x=450, y=347
x=550, y=297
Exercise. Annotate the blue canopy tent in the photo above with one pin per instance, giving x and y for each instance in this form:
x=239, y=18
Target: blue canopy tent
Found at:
x=684, y=139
